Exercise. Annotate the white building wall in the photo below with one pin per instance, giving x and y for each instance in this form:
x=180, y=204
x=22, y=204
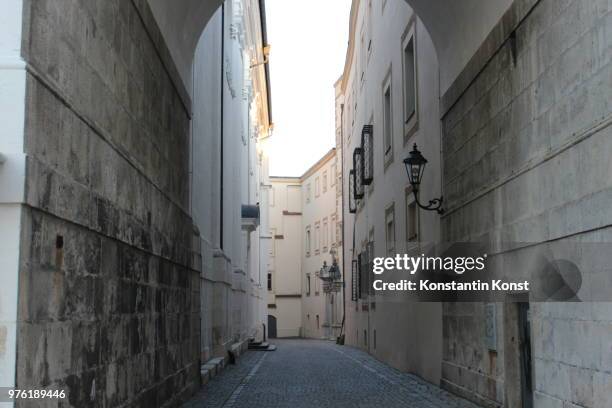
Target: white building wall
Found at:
x=227, y=172
x=371, y=323
x=320, y=318
x=294, y=209
x=285, y=296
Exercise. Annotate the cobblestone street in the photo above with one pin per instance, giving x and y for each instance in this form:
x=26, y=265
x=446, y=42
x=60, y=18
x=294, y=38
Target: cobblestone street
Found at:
x=312, y=373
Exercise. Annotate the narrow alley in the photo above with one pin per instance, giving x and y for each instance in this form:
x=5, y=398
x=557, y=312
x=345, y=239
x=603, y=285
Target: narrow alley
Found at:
x=412, y=199
x=318, y=373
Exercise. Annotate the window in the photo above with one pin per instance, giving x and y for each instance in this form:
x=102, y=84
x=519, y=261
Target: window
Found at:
x=332, y=229
x=308, y=192
x=370, y=252
x=410, y=82
x=308, y=241
x=387, y=122
x=325, y=181
x=369, y=28
x=354, y=105
x=317, y=187
x=364, y=274
x=269, y=281
x=351, y=192
x=271, y=196
x=362, y=55
x=307, y=284
x=317, y=237
x=317, y=322
x=390, y=230
x=325, y=234
x=272, y=243
x=317, y=283
x=349, y=117
x=333, y=174
x=412, y=226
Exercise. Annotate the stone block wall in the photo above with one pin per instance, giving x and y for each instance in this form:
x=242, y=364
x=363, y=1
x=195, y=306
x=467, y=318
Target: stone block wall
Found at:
x=109, y=289
x=526, y=150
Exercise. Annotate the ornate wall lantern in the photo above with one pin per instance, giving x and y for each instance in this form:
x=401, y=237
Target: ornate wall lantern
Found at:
x=367, y=149
x=351, y=197
x=354, y=280
x=415, y=167
x=358, y=167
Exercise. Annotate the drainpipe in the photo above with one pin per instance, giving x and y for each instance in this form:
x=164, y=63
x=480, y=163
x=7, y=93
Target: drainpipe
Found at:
x=342, y=330
x=222, y=124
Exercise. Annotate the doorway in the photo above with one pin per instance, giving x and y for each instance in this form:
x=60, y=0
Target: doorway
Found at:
x=518, y=365
x=524, y=322
x=271, y=327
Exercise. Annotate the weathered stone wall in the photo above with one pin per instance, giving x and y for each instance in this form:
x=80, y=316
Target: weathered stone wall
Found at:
x=526, y=151
x=109, y=298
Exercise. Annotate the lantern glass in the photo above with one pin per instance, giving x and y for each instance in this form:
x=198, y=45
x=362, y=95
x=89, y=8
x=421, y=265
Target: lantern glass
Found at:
x=415, y=167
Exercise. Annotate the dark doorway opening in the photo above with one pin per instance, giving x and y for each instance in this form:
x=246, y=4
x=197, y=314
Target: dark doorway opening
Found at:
x=271, y=327
x=524, y=321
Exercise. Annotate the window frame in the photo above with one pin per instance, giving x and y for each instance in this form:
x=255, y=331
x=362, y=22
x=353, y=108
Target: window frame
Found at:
x=387, y=123
x=370, y=28
x=411, y=239
x=410, y=122
x=333, y=174
x=271, y=197
x=390, y=246
x=362, y=54
x=324, y=181
x=308, y=240
x=325, y=234
x=272, y=250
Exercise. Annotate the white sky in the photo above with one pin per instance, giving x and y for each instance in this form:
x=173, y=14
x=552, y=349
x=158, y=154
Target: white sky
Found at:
x=308, y=45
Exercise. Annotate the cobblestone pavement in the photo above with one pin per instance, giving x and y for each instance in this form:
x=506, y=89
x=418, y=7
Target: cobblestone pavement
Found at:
x=313, y=373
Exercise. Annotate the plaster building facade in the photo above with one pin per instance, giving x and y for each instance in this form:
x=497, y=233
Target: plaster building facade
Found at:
x=124, y=172
x=229, y=173
x=303, y=299
x=510, y=109
x=390, y=83
x=322, y=302
x=284, y=269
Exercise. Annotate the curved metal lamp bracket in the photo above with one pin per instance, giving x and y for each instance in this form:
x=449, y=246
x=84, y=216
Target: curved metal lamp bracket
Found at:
x=434, y=205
